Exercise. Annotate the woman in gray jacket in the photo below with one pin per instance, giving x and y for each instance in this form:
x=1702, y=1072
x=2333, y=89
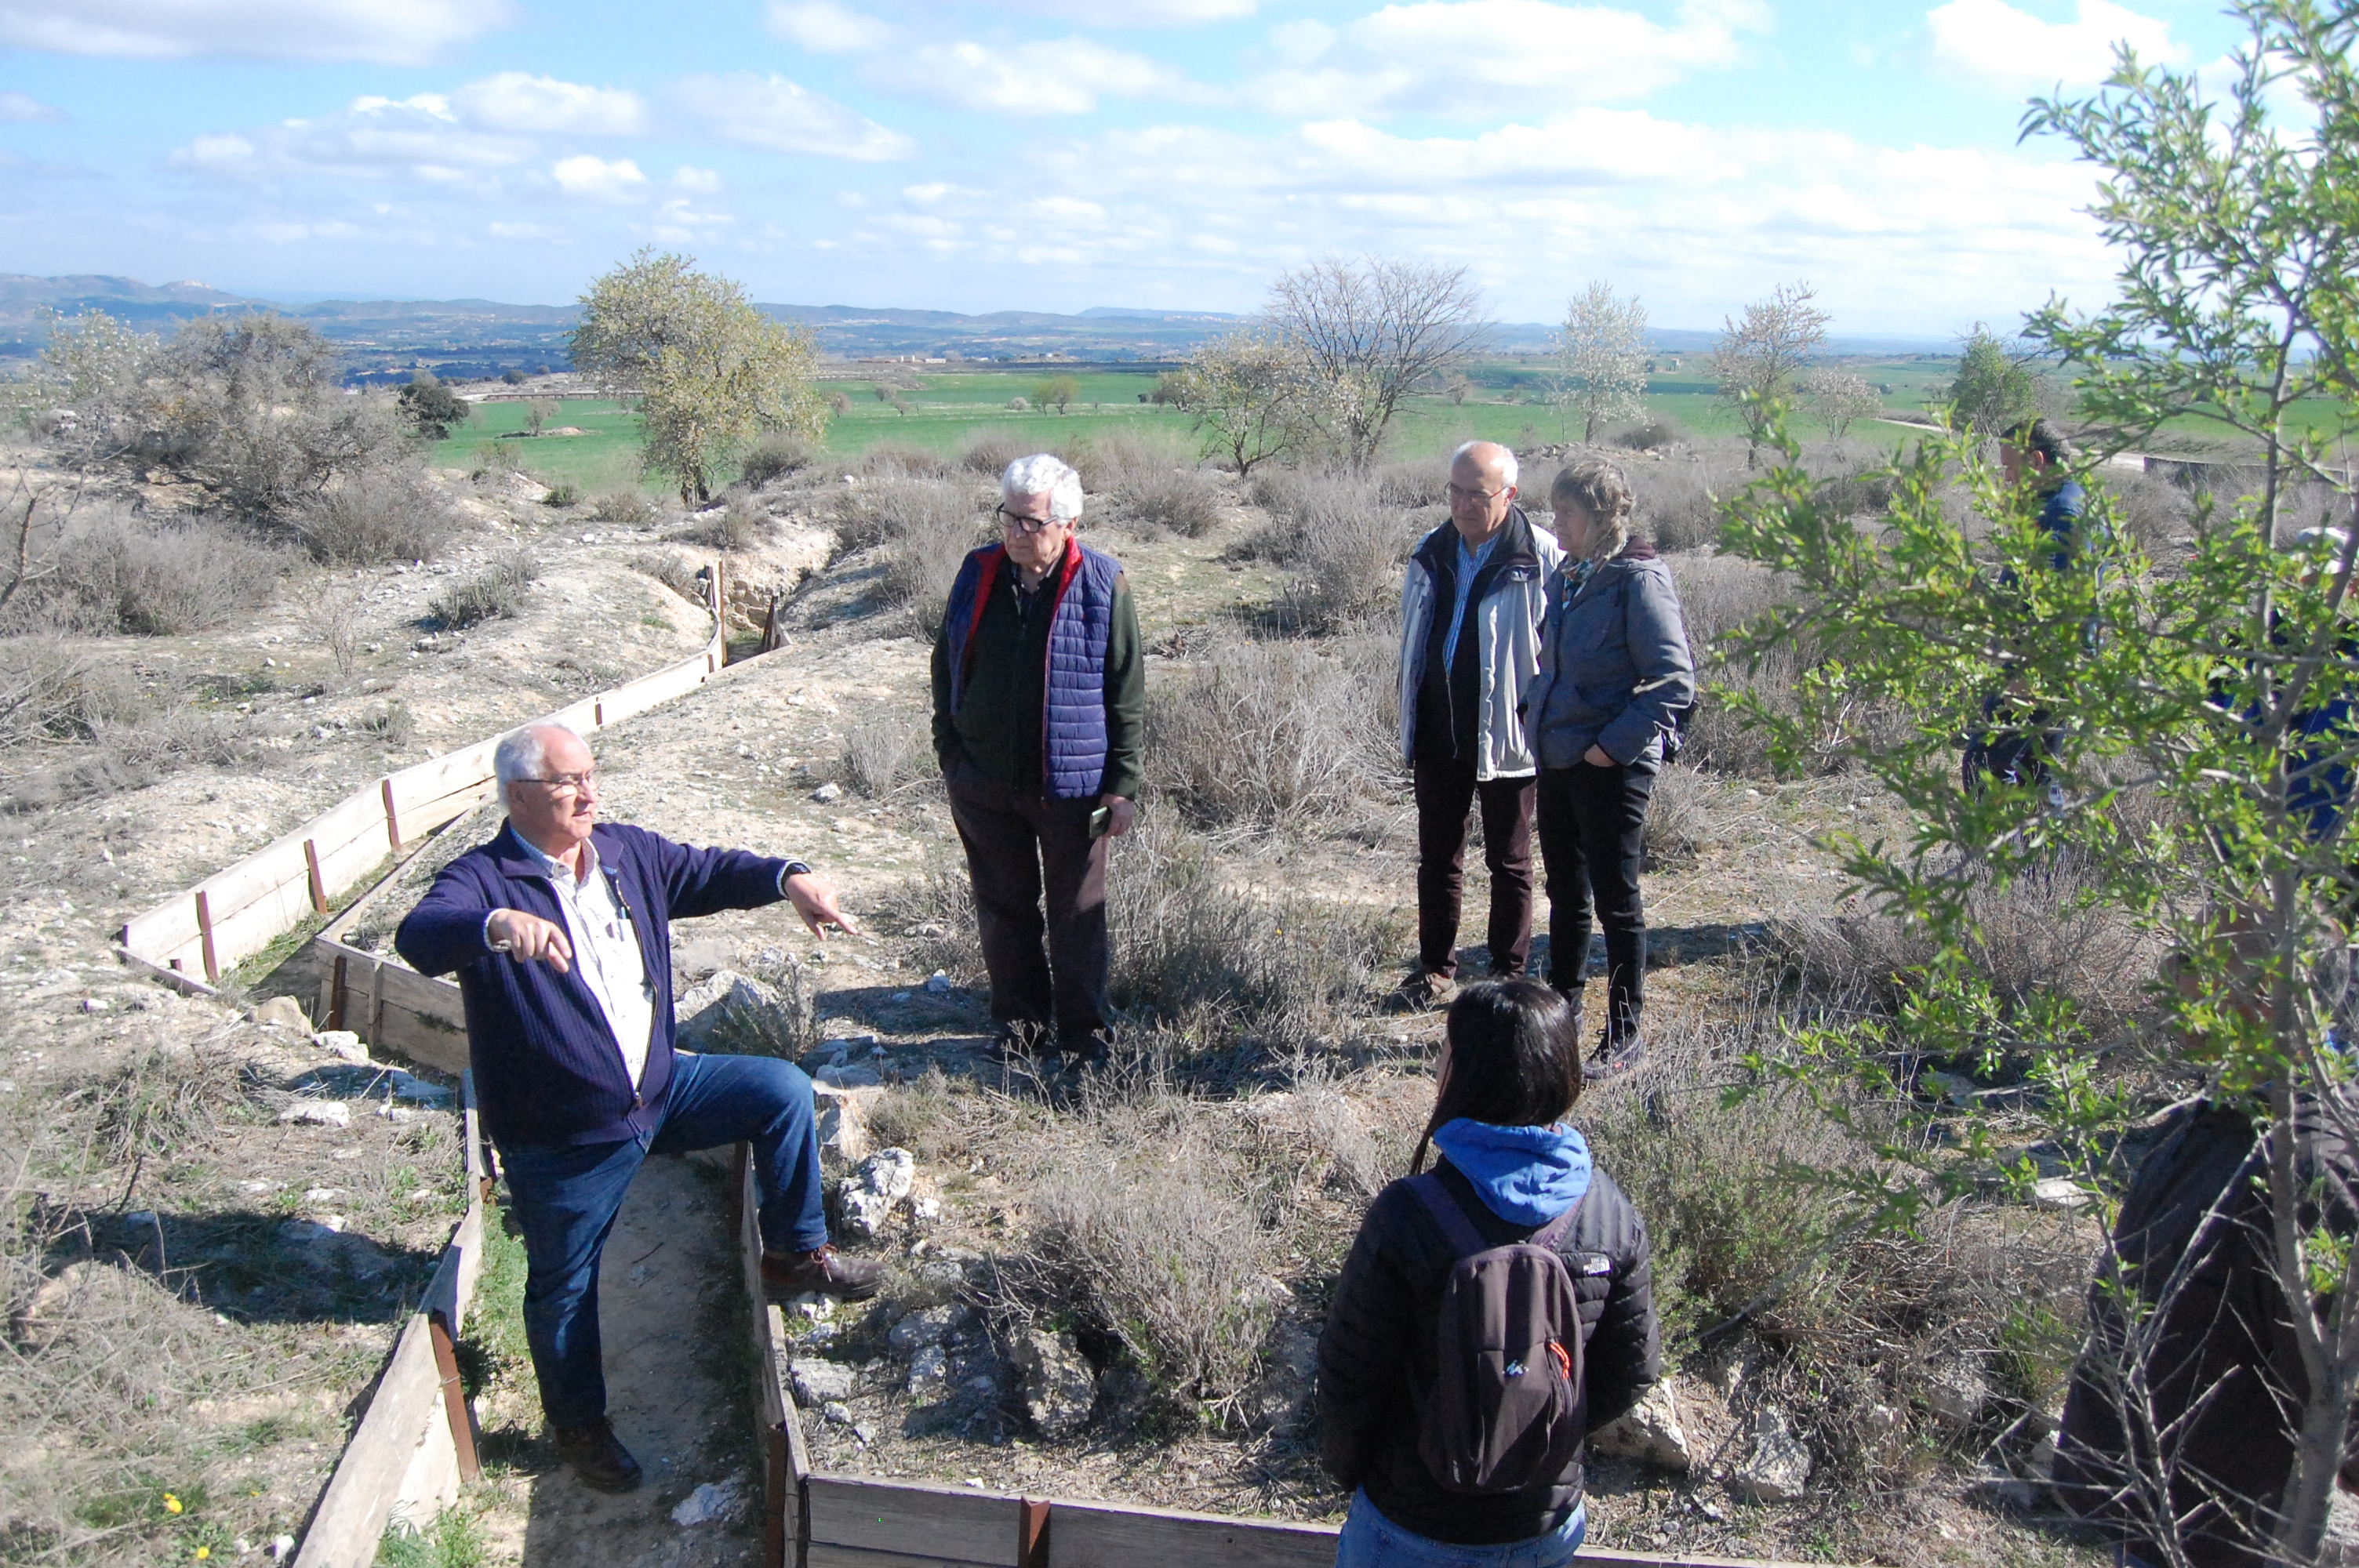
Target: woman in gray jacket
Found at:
x=1615, y=676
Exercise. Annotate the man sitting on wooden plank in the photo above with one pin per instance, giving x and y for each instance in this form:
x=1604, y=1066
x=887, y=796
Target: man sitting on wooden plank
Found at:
x=559, y=929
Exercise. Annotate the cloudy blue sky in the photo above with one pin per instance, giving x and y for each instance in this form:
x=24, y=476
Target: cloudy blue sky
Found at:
x=1060, y=154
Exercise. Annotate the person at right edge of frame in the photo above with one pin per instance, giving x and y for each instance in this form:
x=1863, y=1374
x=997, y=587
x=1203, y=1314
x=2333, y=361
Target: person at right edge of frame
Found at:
x=1469, y=639
x=2035, y=450
x=1492, y=1312
x=1615, y=679
x=1039, y=698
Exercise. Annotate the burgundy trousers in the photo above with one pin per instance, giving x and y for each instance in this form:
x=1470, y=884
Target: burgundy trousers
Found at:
x=1447, y=795
x=1036, y=871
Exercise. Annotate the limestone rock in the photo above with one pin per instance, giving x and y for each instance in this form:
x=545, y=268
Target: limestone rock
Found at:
x=869, y=1194
x=342, y=1043
x=827, y=793
x=841, y=1077
x=727, y=997
x=715, y=1502
x=1059, y=1387
x=819, y=1383
x=1649, y=1432
x=1777, y=1468
x=843, y=1138
x=929, y=1375
x=1956, y=1391
x=920, y=1330
x=319, y=1112
x=283, y=1012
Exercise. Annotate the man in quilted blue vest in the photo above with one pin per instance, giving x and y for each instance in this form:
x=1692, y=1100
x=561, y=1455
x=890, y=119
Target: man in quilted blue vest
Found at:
x=1040, y=694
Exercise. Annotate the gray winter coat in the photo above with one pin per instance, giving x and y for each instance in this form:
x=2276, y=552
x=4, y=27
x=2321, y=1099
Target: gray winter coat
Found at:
x=1507, y=629
x=1614, y=666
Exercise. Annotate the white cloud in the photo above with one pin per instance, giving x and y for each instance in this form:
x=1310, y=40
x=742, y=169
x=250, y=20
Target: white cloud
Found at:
x=1050, y=76
x=825, y=26
x=1453, y=57
x=583, y=175
x=772, y=113
x=24, y=109
x=390, y=32
x=513, y=100
x=1992, y=39
x=377, y=138
x=696, y=181
x=1140, y=13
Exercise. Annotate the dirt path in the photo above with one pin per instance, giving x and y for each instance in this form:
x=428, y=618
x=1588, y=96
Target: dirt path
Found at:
x=676, y=1392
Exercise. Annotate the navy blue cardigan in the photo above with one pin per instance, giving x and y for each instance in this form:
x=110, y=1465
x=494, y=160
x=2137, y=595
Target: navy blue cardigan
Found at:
x=547, y=1069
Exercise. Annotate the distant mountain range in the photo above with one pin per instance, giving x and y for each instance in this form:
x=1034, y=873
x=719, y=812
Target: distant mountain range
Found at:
x=388, y=340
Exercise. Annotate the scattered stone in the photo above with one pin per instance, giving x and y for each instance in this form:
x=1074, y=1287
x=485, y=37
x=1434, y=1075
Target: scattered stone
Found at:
x=840, y=1078
x=1952, y=1089
x=2060, y=1192
x=819, y=1383
x=929, y=1327
x=1059, y=1387
x=869, y=1194
x=938, y=983
x=281, y=1549
x=342, y=1043
x=1778, y=1469
x=715, y=1502
x=1956, y=1392
x=93, y=1004
x=417, y=1090
x=827, y=793
x=281, y=1012
x=2007, y=1490
x=2042, y=1461
x=1881, y=1424
x=843, y=1138
x=318, y=1113
x=1649, y=1432
x=717, y=999
x=929, y=1375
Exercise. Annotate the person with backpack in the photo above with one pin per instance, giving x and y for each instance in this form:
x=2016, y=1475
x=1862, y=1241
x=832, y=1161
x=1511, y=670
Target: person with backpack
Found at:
x=1606, y=712
x=1492, y=1312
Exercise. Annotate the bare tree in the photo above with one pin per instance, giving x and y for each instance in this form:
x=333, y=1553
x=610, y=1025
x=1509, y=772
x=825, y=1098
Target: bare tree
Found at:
x=1840, y=399
x=1252, y=397
x=1758, y=357
x=1602, y=355
x=1370, y=331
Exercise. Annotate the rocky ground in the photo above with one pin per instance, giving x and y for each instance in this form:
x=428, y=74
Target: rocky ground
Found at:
x=275, y=1242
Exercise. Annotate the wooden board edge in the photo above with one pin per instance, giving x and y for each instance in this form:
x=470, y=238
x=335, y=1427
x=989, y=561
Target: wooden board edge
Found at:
x=187, y=985
x=346, y=1528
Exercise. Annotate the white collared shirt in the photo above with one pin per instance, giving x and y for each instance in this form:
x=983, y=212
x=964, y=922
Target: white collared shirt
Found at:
x=606, y=953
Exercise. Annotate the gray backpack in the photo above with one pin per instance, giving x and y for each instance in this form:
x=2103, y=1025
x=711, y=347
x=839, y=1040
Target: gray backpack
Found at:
x=1506, y=1411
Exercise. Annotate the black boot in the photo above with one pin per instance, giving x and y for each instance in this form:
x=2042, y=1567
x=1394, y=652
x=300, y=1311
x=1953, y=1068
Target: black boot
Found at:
x=598, y=1456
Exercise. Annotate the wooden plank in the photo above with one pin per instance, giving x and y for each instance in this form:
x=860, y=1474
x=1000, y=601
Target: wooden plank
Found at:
x=1032, y=1534
x=319, y=886
x=799, y=1464
x=954, y=1523
x=257, y=876
x=424, y=995
x=166, y=928
x=352, y=1511
x=826, y=1555
x=238, y=936
x=172, y=978
x=466, y=768
x=427, y=1040
x=478, y=1178
x=1104, y=1535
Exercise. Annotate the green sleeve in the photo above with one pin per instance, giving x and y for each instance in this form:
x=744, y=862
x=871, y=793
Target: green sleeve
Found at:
x=946, y=739
x=1125, y=687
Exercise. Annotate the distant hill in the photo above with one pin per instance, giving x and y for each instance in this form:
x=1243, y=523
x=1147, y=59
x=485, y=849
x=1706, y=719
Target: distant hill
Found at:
x=388, y=340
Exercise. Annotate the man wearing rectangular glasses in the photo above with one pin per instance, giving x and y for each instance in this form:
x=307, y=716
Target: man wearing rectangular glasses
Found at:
x=1040, y=694
x=560, y=930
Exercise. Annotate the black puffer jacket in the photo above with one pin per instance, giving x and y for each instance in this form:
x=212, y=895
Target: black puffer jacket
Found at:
x=1377, y=1357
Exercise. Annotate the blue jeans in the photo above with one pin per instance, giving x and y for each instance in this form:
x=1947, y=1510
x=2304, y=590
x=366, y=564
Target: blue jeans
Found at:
x=1372, y=1541
x=565, y=1200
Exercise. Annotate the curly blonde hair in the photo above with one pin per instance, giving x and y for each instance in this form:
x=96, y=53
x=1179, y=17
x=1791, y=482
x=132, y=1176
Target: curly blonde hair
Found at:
x=1601, y=489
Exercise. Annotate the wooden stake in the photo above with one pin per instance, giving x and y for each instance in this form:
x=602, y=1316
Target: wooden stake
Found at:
x=319, y=885
x=392, y=818
x=1032, y=1534
x=455, y=1409
x=205, y=937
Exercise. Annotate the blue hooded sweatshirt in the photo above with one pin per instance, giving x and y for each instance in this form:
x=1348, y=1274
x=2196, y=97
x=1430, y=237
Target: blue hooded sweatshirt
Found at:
x=1525, y=1175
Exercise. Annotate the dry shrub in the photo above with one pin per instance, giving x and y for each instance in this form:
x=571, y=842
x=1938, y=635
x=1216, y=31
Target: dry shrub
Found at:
x=108, y=572
x=1420, y=484
x=775, y=455
x=1182, y=500
x=88, y=729
x=134, y=751
x=878, y=753
x=677, y=570
x=624, y=509
x=1718, y=594
x=1678, y=815
x=385, y=514
x=1345, y=543
x=988, y=452
x=736, y=526
x=1191, y=945
x=157, y=1101
x=1273, y=735
x=891, y=461
x=924, y=528
x=493, y=595
x=1678, y=497
x=1651, y=434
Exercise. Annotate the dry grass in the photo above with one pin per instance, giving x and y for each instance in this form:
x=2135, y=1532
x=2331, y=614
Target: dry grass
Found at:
x=108, y=572
x=882, y=752
x=1345, y=543
x=1276, y=736
x=923, y=528
x=1185, y=501
x=773, y=456
x=381, y=515
x=495, y=594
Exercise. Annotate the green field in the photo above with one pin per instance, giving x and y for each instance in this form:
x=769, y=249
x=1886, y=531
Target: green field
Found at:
x=1506, y=403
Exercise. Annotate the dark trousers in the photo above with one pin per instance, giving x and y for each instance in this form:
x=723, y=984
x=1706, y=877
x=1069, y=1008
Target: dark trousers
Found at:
x=1447, y=794
x=565, y=1200
x=1593, y=835
x=1019, y=851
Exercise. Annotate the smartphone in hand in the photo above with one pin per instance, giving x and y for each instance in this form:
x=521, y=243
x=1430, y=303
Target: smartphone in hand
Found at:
x=1100, y=819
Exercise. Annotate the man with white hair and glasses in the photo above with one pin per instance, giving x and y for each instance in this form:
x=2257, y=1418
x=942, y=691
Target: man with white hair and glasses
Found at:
x=560, y=930
x=1040, y=696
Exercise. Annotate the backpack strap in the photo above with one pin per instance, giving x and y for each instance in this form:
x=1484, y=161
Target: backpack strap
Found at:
x=1458, y=1226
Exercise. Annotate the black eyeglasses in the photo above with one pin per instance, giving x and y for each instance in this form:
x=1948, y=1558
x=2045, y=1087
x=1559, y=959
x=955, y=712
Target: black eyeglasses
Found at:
x=1021, y=523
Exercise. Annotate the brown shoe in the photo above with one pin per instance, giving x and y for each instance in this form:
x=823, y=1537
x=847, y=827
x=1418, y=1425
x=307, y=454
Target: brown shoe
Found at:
x=828, y=1271
x=1422, y=992
x=598, y=1456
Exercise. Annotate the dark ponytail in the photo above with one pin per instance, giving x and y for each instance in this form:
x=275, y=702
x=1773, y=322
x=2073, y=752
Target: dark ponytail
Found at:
x=1514, y=1059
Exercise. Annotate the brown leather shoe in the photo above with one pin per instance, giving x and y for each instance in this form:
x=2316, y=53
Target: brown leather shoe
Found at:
x=828, y=1271
x=598, y=1456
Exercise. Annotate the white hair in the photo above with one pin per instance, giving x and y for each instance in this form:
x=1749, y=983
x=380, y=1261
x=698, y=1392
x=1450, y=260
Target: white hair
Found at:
x=1043, y=474
x=1507, y=458
x=523, y=753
